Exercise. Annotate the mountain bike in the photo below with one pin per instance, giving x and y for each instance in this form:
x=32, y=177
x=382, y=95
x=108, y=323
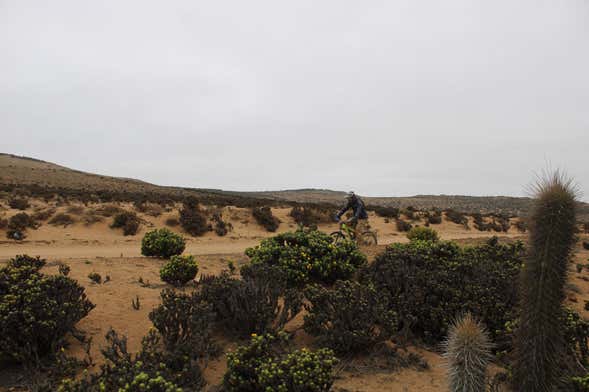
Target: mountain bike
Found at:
x=347, y=232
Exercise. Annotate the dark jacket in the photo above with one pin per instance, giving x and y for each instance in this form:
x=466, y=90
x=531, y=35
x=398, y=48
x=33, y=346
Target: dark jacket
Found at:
x=357, y=205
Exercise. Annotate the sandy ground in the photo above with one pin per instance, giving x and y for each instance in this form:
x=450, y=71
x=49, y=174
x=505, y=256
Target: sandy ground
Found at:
x=106, y=251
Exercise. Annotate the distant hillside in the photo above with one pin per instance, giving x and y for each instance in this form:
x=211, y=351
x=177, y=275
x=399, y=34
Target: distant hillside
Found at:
x=26, y=172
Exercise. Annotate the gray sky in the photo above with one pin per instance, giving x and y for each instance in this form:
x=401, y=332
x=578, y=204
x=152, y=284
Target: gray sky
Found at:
x=382, y=97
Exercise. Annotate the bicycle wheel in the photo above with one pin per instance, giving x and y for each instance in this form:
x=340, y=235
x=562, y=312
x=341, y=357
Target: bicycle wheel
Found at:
x=337, y=236
x=368, y=238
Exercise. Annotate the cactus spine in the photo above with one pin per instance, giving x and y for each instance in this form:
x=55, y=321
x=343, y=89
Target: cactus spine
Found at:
x=539, y=343
x=467, y=352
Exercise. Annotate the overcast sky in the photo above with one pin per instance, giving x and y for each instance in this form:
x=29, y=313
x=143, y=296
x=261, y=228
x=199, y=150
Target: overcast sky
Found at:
x=381, y=97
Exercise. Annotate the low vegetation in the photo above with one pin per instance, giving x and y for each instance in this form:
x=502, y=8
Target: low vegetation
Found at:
x=179, y=270
x=267, y=364
x=193, y=219
x=62, y=219
x=128, y=221
x=18, y=203
x=308, y=256
x=264, y=217
x=18, y=225
x=333, y=316
x=422, y=234
x=429, y=283
x=251, y=304
x=162, y=243
x=402, y=225
x=37, y=311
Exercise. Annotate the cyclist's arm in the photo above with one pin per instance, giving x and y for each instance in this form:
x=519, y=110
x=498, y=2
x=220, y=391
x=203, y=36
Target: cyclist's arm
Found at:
x=343, y=211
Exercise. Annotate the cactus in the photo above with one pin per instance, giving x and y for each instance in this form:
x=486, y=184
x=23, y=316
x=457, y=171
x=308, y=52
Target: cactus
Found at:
x=467, y=352
x=539, y=344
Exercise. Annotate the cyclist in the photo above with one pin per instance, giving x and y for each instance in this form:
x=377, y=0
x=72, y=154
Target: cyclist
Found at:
x=359, y=222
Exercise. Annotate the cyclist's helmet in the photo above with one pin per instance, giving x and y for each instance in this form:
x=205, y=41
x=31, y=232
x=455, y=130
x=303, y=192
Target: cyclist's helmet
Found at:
x=350, y=196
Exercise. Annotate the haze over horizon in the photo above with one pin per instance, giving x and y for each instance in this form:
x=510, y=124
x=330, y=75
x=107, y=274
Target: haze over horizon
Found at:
x=386, y=98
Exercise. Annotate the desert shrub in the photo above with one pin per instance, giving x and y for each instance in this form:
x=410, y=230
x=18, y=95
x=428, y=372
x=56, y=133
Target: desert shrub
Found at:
x=62, y=219
x=179, y=270
x=467, y=352
x=539, y=340
x=128, y=221
x=586, y=245
x=402, y=225
x=192, y=219
x=19, y=203
x=252, y=304
x=264, y=217
x=333, y=316
x=306, y=216
x=308, y=256
x=37, y=311
x=75, y=210
x=502, y=222
x=185, y=321
x=3, y=223
x=91, y=217
x=521, y=225
x=18, y=224
x=108, y=210
x=433, y=217
x=479, y=222
x=457, y=217
x=64, y=269
x=150, y=370
x=150, y=209
x=586, y=227
x=220, y=226
x=162, y=243
x=43, y=214
x=172, y=222
x=386, y=212
x=430, y=283
x=95, y=277
x=266, y=364
x=422, y=234
x=410, y=213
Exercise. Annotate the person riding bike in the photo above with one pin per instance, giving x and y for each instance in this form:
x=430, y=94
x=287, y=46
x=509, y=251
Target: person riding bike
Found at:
x=359, y=222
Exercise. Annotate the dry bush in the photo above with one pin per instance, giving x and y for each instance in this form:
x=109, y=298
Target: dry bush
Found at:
x=108, y=210
x=264, y=217
x=128, y=221
x=75, y=210
x=62, y=219
x=172, y=221
x=193, y=219
x=403, y=226
x=43, y=214
x=91, y=217
x=19, y=203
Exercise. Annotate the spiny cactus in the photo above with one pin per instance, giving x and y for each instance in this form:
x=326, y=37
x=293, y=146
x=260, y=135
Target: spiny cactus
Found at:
x=539, y=344
x=467, y=352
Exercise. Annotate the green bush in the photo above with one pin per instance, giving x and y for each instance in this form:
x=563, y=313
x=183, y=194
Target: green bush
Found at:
x=128, y=221
x=349, y=318
x=264, y=217
x=37, y=311
x=185, y=321
x=162, y=243
x=266, y=364
x=308, y=256
x=179, y=270
x=252, y=304
x=150, y=370
x=422, y=234
x=430, y=283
